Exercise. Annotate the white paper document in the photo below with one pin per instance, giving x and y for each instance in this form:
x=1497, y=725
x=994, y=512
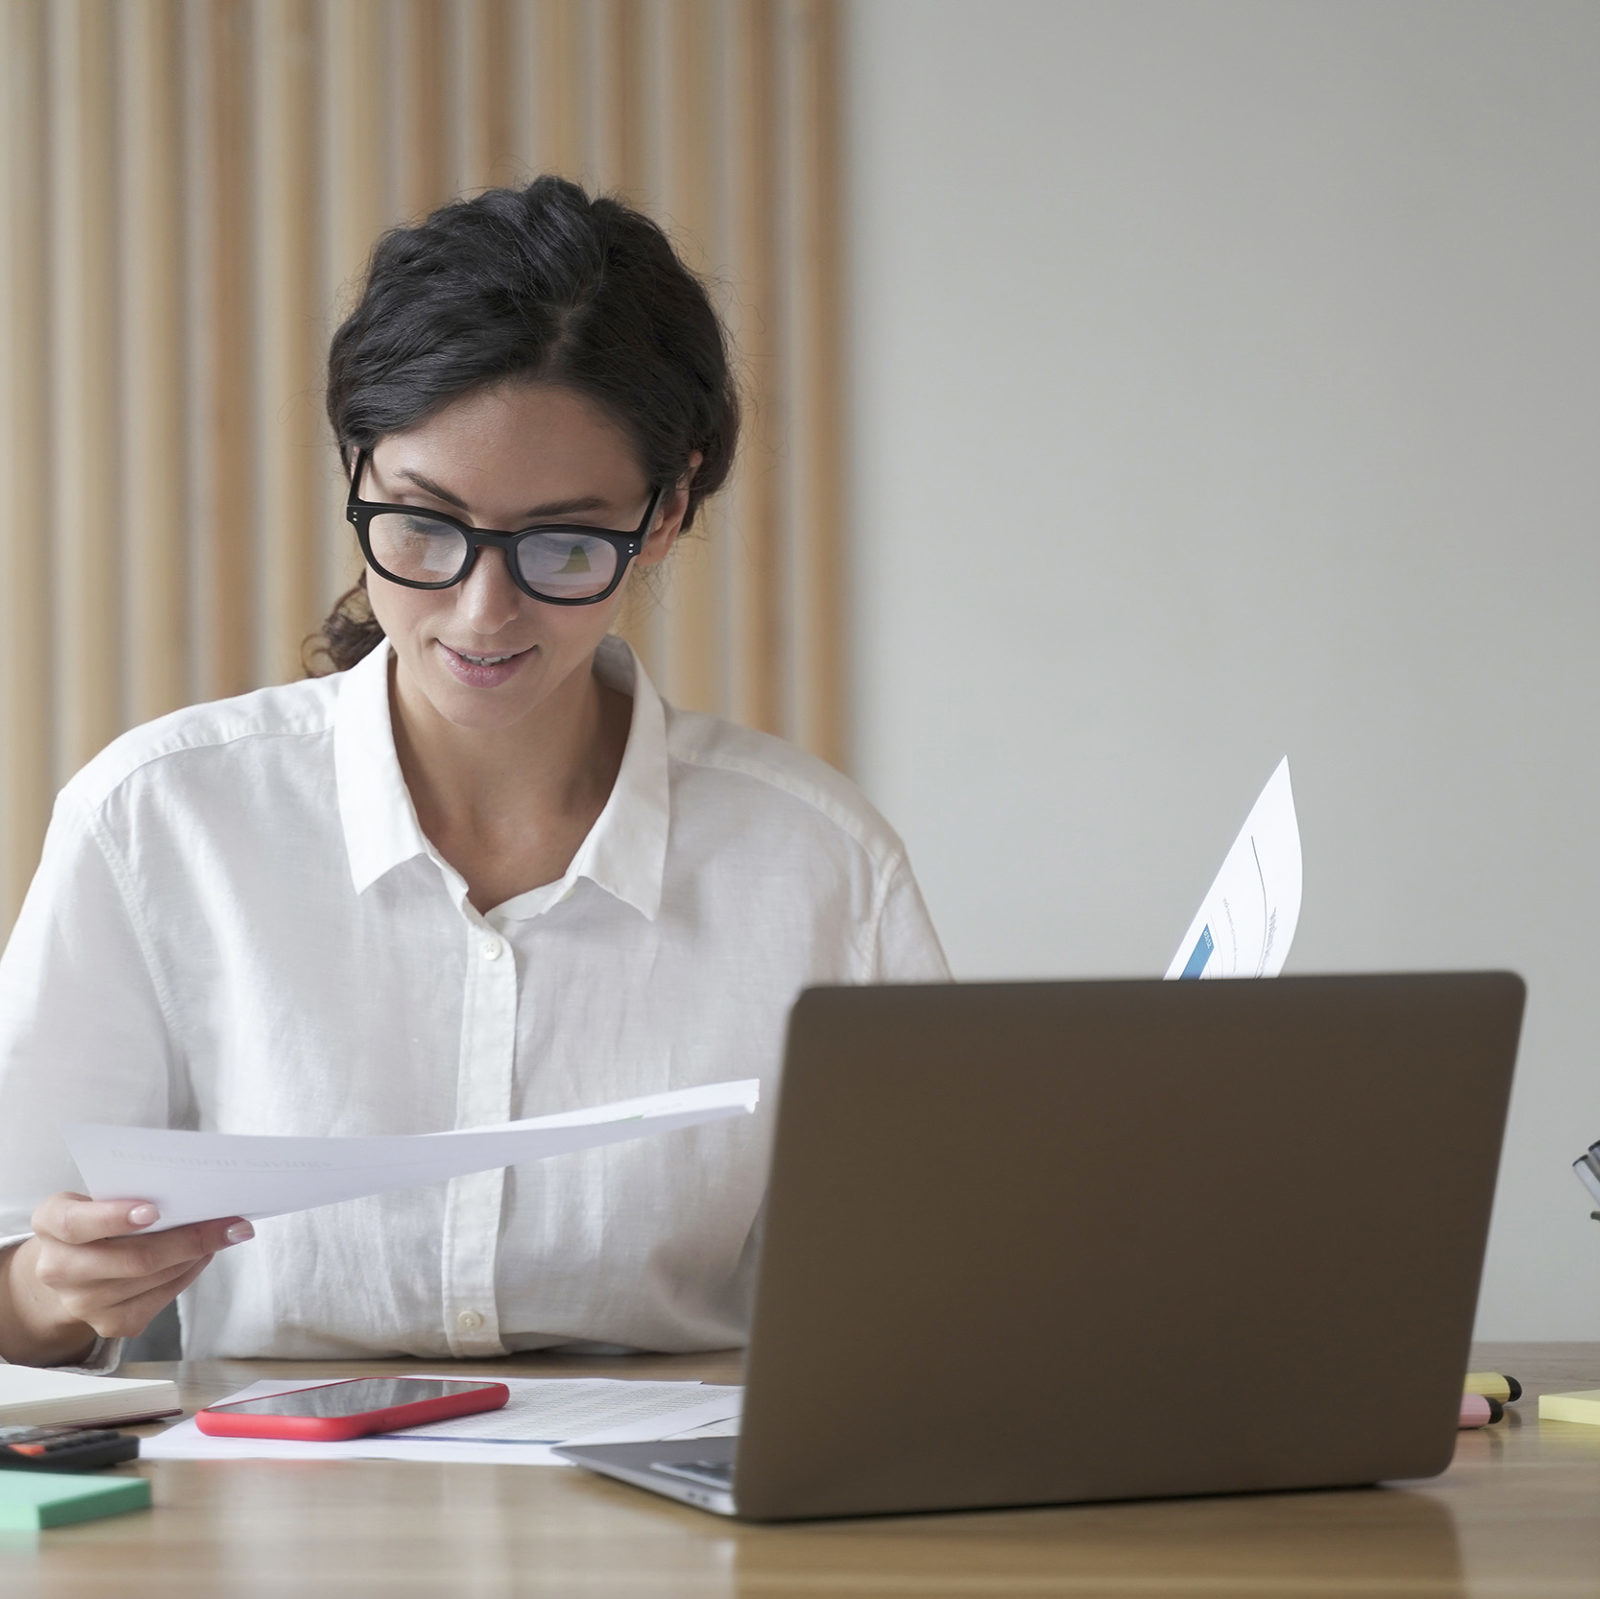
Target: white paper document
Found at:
x=196, y=1176
x=1246, y=922
x=541, y=1413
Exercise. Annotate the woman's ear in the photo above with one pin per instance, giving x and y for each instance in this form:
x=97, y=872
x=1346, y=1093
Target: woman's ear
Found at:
x=669, y=519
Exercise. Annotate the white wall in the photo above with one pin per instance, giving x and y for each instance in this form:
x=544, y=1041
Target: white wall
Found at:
x=1226, y=385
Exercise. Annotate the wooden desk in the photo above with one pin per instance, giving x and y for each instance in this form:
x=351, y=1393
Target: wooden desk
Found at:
x=1517, y=1513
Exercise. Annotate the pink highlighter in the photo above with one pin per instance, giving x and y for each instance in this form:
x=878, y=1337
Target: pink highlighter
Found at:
x=1477, y=1410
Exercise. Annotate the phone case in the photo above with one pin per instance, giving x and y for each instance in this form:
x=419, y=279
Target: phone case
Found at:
x=222, y=1423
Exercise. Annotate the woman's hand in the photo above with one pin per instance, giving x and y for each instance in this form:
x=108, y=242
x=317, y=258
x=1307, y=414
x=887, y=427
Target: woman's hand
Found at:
x=89, y=1270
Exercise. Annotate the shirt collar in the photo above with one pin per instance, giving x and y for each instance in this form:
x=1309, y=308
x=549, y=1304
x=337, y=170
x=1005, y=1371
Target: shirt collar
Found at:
x=380, y=822
x=625, y=852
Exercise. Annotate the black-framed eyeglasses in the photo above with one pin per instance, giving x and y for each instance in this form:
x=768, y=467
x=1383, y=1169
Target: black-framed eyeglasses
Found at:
x=558, y=562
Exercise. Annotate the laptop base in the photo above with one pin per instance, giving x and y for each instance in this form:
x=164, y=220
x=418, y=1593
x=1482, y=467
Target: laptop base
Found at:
x=673, y=1469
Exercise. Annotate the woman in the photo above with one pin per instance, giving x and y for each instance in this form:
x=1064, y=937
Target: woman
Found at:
x=483, y=873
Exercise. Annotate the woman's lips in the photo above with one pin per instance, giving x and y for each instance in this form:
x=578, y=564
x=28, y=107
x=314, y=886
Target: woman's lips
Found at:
x=479, y=671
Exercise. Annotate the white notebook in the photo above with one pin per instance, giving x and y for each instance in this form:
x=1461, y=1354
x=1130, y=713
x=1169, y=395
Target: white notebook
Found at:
x=36, y=1396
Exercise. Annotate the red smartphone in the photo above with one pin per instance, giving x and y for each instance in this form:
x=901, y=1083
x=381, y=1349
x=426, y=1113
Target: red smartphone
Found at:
x=350, y=1408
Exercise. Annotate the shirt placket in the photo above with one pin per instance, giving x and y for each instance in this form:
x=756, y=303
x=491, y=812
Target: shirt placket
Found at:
x=483, y=1098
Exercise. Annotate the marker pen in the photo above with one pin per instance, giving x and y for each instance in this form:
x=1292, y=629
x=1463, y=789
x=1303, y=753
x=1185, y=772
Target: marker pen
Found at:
x=1479, y=1411
x=1493, y=1386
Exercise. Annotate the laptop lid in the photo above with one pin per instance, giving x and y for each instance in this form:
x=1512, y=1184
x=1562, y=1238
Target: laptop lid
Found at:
x=1048, y=1242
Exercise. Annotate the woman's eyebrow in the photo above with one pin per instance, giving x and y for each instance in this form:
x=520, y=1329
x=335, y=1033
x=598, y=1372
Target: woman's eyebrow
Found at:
x=589, y=502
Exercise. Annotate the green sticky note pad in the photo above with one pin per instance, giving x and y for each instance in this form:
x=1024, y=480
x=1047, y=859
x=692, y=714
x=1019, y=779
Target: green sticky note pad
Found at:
x=33, y=1499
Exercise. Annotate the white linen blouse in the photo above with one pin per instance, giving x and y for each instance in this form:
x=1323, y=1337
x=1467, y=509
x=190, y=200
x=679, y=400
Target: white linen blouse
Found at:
x=238, y=925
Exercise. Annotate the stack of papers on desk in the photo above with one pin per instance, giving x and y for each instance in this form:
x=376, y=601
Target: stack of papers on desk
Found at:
x=541, y=1413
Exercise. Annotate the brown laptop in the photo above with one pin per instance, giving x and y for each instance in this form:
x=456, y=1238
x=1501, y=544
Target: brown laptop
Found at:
x=1039, y=1243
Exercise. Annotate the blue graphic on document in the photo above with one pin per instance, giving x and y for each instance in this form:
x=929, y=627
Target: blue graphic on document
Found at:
x=1200, y=954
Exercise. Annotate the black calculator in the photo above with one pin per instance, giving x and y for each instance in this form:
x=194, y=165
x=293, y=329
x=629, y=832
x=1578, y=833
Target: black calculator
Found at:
x=64, y=1448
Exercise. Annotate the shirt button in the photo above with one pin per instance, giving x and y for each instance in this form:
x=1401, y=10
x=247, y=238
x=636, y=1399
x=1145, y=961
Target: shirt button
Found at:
x=469, y=1321
x=492, y=949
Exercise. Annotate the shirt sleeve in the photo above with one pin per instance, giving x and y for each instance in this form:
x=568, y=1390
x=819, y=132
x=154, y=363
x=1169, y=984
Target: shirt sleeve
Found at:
x=83, y=1032
x=907, y=949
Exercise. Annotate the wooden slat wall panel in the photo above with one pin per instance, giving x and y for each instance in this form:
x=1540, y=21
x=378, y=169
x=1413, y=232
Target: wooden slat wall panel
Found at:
x=416, y=107
x=190, y=189
x=27, y=738
x=83, y=324
x=623, y=98
x=486, y=131
x=690, y=669
x=815, y=376
x=758, y=617
x=154, y=342
x=224, y=386
x=357, y=199
x=291, y=460
x=617, y=165
x=559, y=70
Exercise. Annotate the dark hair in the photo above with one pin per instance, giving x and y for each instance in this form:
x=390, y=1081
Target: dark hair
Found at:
x=543, y=284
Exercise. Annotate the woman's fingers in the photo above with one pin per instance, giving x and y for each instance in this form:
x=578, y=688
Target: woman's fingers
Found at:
x=106, y=1271
x=81, y=1222
x=94, y=1264
x=126, y=1318
x=155, y=1252
x=110, y=1260
x=77, y=1219
x=116, y=1285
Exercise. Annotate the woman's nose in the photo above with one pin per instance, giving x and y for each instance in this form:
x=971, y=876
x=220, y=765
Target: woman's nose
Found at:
x=487, y=599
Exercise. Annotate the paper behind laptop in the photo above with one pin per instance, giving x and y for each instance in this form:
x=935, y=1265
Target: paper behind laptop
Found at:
x=1246, y=922
x=192, y=1176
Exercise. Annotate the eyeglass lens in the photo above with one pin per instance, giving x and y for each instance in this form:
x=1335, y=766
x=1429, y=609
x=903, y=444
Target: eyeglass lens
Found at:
x=564, y=565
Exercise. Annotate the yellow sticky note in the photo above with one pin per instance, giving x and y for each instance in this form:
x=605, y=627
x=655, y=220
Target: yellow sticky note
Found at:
x=1583, y=1406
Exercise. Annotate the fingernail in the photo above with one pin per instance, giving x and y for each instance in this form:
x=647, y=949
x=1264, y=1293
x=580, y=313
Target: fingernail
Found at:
x=239, y=1232
x=143, y=1215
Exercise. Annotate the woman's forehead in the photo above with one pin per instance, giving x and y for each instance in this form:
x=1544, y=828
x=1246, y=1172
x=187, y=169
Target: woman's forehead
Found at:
x=515, y=446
